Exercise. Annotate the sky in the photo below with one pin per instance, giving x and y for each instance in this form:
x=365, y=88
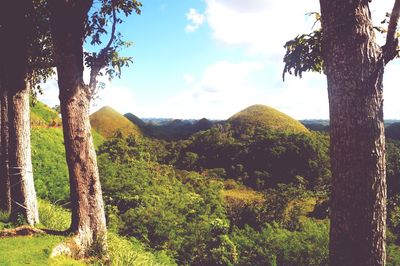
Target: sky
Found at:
x=213, y=58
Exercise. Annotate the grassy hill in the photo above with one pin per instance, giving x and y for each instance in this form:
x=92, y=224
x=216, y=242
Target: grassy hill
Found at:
x=268, y=117
x=107, y=121
x=43, y=116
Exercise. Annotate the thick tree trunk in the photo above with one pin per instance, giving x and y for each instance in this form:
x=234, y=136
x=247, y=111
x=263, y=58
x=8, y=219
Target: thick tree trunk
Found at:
x=14, y=56
x=5, y=195
x=88, y=217
x=354, y=70
x=24, y=203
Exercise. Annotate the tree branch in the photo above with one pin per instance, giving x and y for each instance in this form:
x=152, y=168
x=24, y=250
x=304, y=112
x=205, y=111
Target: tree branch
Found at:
x=101, y=60
x=114, y=25
x=390, y=48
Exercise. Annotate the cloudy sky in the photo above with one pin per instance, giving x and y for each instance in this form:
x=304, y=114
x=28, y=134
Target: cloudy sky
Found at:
x=212, y=58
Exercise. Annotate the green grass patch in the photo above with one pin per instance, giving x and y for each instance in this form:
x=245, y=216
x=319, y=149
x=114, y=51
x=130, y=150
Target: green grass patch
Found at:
x=32, y=251
x=53, y=217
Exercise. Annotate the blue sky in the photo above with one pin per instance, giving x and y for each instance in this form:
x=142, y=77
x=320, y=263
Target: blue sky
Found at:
x=212, y=58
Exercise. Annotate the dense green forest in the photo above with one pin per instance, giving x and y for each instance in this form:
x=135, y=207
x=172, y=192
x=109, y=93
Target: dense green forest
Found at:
x=244, y=192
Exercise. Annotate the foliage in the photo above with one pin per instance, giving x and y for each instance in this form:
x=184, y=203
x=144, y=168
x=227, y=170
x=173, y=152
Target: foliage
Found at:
x=36, y=250
x=243, y=206
x=124, y=251
x=393, y=255
x=43, y=116
x=53, y=216
x=103, y=21
x=393, y=167
x=304, y=53
x=49, y=165
x=273, y=245
x=169, y=216
x=257, y=156
x=167, y=210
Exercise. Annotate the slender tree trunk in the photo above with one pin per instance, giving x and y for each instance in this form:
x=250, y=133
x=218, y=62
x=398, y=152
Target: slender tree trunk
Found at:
x=23, y=193
x=354, y=71
x=88, y=218
x=5, y=194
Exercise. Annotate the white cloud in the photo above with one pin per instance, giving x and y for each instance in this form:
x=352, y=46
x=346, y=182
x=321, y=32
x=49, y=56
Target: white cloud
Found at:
x=261, y=26
x=188, y=78
x=195, y=18
x=120, y=98
x=50, y=93
x=223, y=86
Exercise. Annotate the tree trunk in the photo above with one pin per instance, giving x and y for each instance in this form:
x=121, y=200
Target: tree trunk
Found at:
x=354, y=69
x=88, y=217
x=14, y=57
x=24, y=203
x=5, y=195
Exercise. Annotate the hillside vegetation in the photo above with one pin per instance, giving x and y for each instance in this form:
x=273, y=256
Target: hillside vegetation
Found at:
x=107, y=122
x=229, y=195
x=267, y=117
x=43, y=116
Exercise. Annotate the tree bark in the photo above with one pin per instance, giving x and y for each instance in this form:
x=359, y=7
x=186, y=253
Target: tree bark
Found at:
x=5, y=194
x=14, y=56
x=24, y=203
x=88, y=218
x=354, y=68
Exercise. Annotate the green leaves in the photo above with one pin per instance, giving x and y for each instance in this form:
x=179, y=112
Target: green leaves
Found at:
x=102, y=22
x=304, y=53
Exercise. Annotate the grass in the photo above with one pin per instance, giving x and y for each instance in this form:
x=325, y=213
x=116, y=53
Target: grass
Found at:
x=32, y=251
x=265, y=116
x=245, y=195
x=53, y=217
x=36, y=250
x=107, y=121
x=42, y=115
x=49, y=164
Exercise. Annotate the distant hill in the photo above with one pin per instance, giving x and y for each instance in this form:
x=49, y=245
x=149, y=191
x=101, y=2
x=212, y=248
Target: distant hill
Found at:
x=321, y=125
x=135, y=120
x=168, y=128
x=392, y=131
x=267, y=117
x=43, y=116
x=177, y=129
x=107, y=121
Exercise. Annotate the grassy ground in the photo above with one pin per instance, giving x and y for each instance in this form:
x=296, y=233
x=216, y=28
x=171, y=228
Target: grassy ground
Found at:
x=36, y=250
x=32, y=251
